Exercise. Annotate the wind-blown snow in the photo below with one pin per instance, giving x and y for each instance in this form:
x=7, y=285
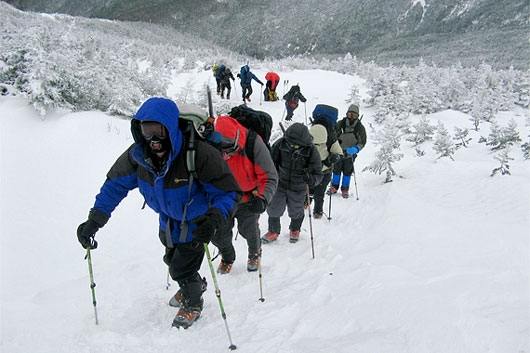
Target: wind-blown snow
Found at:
x=436, y=261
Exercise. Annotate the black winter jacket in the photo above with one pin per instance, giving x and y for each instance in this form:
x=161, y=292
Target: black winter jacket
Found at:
x=295, y=155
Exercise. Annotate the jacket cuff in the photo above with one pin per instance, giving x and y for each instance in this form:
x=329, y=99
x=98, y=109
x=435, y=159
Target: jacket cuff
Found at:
x=98, y=216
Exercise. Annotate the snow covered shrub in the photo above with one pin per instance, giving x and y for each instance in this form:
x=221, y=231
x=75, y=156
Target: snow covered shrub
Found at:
x=421, y=132
x=443, y=144
x=504, y=159
x=389, y=140
x=461, y=135
x=500, y=137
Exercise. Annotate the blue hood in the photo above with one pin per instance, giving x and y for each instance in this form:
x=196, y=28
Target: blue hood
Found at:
x=164, y=111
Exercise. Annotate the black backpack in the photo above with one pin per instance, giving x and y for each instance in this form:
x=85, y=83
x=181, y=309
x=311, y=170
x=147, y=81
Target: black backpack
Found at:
x=258, y=122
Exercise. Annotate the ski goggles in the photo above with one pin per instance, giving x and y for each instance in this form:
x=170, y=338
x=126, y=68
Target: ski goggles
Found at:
x=153, y=130
x=230, y=146
x=352, y=115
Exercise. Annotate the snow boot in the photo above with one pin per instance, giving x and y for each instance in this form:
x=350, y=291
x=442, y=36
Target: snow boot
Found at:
x=332, y=189
x=186, y=316
x=178, y=300
x=345, y=192
x=253, y=261
x=224, y=267
x=269, y=237
x=294, y=235
x=317, y=215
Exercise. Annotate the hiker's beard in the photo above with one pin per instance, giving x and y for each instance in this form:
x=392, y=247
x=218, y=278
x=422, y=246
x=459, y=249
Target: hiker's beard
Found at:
x=160, y=146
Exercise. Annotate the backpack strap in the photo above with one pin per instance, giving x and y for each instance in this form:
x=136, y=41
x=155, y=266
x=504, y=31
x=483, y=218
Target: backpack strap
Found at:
x=249, y=145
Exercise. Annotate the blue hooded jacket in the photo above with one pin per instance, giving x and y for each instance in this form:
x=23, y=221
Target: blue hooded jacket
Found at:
x=168, y=191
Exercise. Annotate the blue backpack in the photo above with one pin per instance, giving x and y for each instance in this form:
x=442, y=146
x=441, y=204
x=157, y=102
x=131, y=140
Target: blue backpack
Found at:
x=243, y=73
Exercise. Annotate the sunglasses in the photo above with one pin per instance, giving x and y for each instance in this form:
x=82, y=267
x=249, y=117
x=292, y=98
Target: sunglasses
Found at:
x=153, y=130
x=352, y=115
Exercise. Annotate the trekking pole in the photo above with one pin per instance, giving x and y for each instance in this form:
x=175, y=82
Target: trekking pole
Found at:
x=329, y=206
x=167, y=280
x=310, y=222
x=355, y=182
x=260, y=94
x=235, y=90
x=283, y=114
x=305, y=113
x=218, y=294
x=92, y=283
x=260, y=274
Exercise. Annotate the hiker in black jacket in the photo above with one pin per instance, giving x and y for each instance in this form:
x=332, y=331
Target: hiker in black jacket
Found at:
x=299, y=166
x=225, y=75
x=291, y=100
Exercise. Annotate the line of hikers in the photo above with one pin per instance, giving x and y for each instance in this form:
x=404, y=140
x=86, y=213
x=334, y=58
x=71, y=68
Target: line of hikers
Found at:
x=223, y=75
x=198, y=205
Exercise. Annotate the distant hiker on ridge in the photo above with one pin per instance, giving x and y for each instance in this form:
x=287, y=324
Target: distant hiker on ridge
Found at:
x=246, y=77
x=225, y=75
x=291, y=100
x=270, y=87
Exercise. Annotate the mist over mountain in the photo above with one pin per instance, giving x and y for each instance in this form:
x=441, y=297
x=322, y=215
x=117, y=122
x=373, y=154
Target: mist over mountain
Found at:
x=387, y=31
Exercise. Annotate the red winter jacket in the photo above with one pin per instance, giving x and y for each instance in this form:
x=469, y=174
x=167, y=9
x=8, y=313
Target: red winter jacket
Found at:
x=259, y=178
x=274, y=78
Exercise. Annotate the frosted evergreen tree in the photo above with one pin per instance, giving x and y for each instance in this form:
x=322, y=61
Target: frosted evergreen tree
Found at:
x=421, y=132
x=186, y=93
x=353, y=96
x=443, y=144
x=500, y=137
x=525, y=147
x=504, y=159
x=389, y=141
x=476, y=122
x=461, y=135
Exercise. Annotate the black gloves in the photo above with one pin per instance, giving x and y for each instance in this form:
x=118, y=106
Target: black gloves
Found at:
x=308, y=179
x=333, y=158
x=87, y=230
x=257, y=205
x=207, y=225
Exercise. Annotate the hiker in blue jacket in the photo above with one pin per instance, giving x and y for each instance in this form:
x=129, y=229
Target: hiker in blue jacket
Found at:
x=246, y=77
x=189, y=212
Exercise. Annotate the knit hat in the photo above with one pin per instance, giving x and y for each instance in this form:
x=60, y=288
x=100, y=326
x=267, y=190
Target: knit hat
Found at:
x=353, y=109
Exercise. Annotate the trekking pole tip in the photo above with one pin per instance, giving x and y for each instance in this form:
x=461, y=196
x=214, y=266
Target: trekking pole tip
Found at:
x=233, y=347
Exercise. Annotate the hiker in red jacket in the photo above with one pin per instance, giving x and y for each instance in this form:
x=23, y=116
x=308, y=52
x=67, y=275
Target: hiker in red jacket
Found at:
x=270, y=87
x=257, y=177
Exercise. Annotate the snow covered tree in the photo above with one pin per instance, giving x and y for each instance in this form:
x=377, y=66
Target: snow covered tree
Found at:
x=421, y=132
x=389, y=140
x=504, y=159
x=500, y=137
x=443, y=144
x=353, y=96
x=461, y=135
